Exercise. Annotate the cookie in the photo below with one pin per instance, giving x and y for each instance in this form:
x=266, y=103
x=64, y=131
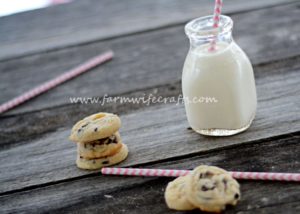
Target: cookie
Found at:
x=100, y=148
x=94, y=127
x=175, y=195
x=98, y=163
x=210, y=189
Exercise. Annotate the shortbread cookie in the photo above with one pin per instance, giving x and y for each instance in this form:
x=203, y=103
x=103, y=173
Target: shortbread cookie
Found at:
x=175, y=195
x=94, y=127
x=210, y=189
x=98, y=163
x=100, y=148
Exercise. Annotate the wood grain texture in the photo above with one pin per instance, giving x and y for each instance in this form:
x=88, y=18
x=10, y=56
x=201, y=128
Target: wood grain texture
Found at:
x=49, y=120
x=114, y=194
x=38, y=172
x=89, y=20
x=144, y=60
x=51, y=156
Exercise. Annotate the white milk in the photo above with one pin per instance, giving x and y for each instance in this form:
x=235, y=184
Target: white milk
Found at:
x=224, y=84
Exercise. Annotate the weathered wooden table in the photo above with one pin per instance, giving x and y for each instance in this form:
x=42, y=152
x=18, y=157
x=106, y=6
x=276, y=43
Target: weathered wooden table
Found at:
x=38, y=171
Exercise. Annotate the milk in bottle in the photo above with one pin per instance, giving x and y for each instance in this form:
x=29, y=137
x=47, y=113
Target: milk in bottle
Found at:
x=218, y=86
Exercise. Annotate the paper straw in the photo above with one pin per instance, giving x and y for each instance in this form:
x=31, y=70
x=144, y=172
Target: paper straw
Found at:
x=216, y=20
x=176, y=173
x=56, y=81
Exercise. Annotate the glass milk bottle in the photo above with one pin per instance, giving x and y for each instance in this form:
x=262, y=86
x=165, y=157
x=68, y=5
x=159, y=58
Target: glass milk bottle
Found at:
x=218, y=85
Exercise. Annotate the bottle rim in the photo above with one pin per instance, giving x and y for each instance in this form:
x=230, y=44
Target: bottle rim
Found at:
x=202, y=28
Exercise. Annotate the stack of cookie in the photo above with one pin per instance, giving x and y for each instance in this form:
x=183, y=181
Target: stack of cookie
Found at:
x=98, y=141
x=207, y=188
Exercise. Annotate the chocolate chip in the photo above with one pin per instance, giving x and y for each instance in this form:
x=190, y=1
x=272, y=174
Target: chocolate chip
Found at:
x=111, y=139
x=209, y=174
x=100, y=142
x=85, y=146
x=205, y=175
x=96, y=129
x=189, y=128
x=236, y=196
x=79, y=130
x=114, y=139
x=201, y=176
x=80, y=157
x=205, y=188
x=84, y=125
x=105, y=162
x=225, y=183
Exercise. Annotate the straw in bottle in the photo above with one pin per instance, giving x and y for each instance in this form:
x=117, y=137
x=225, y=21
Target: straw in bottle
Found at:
x=216, y=21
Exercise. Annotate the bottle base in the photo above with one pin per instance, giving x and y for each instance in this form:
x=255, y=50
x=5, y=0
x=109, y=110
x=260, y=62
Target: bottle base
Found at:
x=223, y=132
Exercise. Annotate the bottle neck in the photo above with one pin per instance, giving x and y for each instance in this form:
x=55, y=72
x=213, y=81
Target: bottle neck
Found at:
x=201, y=32
x=224, y=39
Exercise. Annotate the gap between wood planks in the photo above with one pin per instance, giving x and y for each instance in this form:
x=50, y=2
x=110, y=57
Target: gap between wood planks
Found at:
x=147, y=131
x=260, y=153
x=39, y=122
x=290, y=76
x=137, y=58
x=136, y=137
x=160, y=162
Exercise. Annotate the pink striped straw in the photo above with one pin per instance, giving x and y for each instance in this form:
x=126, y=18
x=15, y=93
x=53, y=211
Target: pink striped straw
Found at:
x=216, y=19
x=176, y=173
x=56, y=81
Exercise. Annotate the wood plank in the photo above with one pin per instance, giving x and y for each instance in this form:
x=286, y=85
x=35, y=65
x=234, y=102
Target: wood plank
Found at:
x=141, y=59
x=48, y=120
x=146, y=194
x=277, y=208
x=89, y=20
x=51, y=156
